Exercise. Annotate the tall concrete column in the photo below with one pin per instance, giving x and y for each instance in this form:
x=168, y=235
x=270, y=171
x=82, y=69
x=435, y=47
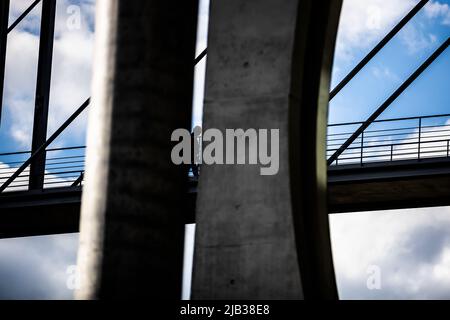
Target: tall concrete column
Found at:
x=131, y=242
x=267, y=237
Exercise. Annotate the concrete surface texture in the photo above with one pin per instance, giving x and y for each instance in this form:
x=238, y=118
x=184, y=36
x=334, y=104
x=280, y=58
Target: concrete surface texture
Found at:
x=248, y=230
x=132, y=231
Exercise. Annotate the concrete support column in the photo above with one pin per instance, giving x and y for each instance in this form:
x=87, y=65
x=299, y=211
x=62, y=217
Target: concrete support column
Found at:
x=266, y=237
x=131, y=242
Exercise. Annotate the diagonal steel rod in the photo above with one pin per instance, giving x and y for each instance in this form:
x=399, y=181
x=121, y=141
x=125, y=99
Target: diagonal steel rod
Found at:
x=389, y=101
x=23, y=15
x=201, y=56
x=377, y=48
x=59, y=131
x=79, y=180
x=45, y=145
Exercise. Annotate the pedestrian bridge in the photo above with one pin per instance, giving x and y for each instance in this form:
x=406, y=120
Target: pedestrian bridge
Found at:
x=372, y=165
x=393, y=164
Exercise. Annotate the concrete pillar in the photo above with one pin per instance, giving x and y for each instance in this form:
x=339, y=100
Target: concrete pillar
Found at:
x=267, y=237
x=131, y=242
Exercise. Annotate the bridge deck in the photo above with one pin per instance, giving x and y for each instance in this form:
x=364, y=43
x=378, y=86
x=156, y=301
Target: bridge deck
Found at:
x=394, y=164
x=389, y=185
x=352, y=188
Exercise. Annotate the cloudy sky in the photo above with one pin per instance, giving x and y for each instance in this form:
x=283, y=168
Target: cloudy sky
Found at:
x=410, y=249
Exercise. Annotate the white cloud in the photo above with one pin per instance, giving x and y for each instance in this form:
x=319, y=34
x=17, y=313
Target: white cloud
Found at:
x=72, y=67
x=36, y=268
x=364, y=23
x=411, y=247
x=384, y=73
x=416, y=39
x=71, y=73
x=435, y=9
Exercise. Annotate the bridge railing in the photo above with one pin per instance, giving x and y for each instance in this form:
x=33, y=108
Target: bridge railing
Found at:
x=392, y=140
x=64, y=168
x=389, y=140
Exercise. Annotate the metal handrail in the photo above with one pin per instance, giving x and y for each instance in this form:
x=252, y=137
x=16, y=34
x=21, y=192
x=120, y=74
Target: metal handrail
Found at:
x=390, y=100
x=57, y=133
x=390, y=120
x=43, y=147
x=423, y=140
x=69, y=170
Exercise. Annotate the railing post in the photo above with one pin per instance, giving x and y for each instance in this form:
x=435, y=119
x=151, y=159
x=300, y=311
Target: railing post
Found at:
x=448, y=148
x=392, y=152
x=37, y=167
x=420, y=138
x=390, y=100
x=362, y=148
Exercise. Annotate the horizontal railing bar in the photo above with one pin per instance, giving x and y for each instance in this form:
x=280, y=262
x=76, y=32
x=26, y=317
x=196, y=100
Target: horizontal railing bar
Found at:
x=67, y=162
x=413, y=138
x=384, y=135
x=46, y=174
x=393, y=140
x=66, y=149
x=370, y=131
x=43, y=147
x=379, y=161
x=20, y=186
x=47, y=179
x=399, y=144
x=396, y=153
x=60, y=173
x=390, y=120
x=59, y=182
x=386, y=158
x=67, y=167
x=397, y=149
x=14, y=153
x=48, y=164
x=49, y=150
x=387, y=130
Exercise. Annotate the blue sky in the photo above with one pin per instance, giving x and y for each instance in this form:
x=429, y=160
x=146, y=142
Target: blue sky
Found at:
x=70, y=78
x=411, y=246
x=410, y=48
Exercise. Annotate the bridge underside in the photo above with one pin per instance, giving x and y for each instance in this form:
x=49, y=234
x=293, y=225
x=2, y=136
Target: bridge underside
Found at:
x=351, y=188
x=391, y=185
x=36, y=213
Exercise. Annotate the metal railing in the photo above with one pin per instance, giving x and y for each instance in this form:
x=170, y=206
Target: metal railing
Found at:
x=412, y=138
x=64, y=167
x=378, y=142
x=15, y=175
